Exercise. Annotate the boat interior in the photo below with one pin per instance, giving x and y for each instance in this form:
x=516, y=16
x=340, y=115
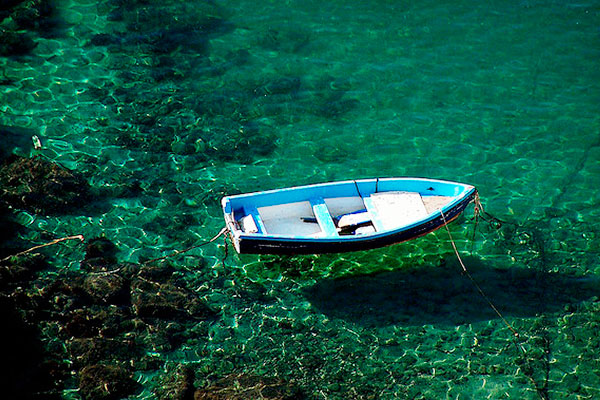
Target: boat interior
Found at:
x=341, y=216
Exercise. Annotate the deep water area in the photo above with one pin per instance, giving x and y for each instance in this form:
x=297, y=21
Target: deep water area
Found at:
x=126, y=122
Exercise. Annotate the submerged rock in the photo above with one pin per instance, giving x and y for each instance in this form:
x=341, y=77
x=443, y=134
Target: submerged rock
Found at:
x=38, y=15
x=7, y=5
x=89, y=351
x=15, y=43
x=100, y=253
x=97, y=321
x=156, y=273
x=167, y=301
x=81, y=324
x=41, y=186
x=109, y=288
x=176, y=384
x=9, y=234
x=17, y=270
x=15, y=139
x=21, y=350
x=106, y=382
x=25, y=15
x=240, y=387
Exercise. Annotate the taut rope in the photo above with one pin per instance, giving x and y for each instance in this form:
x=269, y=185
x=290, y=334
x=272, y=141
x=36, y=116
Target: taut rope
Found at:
x=479, y=210
x=177, y=252
x=481, y=292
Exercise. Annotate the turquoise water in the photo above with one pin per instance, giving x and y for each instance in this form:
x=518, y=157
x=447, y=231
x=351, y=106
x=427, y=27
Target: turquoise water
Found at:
x=164, y=107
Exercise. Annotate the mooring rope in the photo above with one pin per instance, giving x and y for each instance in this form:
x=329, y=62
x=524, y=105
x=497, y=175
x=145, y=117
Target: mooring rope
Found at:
x=55, y=241
x=81, y=238
x=177, y=252
x=479, y=209
x=481, y=292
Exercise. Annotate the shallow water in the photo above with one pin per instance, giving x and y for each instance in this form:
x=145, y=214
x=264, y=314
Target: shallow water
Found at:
x=189, y=101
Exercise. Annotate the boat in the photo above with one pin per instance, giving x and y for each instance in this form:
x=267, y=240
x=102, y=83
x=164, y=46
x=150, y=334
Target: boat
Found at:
x=342, y=216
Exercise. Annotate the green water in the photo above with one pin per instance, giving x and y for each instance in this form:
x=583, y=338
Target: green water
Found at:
x=501, y=95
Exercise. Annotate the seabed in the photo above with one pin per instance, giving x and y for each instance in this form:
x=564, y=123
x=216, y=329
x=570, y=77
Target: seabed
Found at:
x=127, y=121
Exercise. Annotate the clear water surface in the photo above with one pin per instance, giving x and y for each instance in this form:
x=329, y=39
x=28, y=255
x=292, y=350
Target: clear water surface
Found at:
x=240, y=96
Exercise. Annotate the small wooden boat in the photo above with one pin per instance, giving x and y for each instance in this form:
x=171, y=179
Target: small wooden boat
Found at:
x=342, y=216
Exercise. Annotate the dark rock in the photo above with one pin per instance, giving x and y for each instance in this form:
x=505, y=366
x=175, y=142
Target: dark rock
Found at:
x=240, y=387
x=36, y=15
x=173, y=225
x=100, y=254
x=132, y=188
x=167, y=301
x=117, y=321
x=238, y=57
x=180, y=19
x=106, y=382
x=104, y=39
x=169, y=335
x=104, y=321
x=29, y=15
x=169, y=39
x=288, y=40
x=8, y=5
x=41, y=186
x=100, y=247
x=156, y=273
x=24, y=373
x=15, y=43
x=14, y=138
x=161, y=73
x=115, y=15
x=176, y=384
x=82, y=324
x=107, y=288
x=60, y=297
x=9, y=234
x=20, y=269
x=149, y=362
x=86, y=351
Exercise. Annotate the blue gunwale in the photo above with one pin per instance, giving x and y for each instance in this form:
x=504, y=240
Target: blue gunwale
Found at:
x=239, y=205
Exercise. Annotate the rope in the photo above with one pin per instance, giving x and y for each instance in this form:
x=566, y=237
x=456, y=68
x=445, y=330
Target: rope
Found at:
x=493, y=222
x=481, y=292
x=479, y=209
x=80, y=237
x=177, y=252
x=226, y=243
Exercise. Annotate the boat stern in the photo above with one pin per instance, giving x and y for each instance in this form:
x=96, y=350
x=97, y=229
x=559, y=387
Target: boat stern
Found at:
x=232, y=227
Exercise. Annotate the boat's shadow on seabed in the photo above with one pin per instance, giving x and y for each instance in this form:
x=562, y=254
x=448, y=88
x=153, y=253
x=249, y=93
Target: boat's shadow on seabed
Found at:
x=443, y=296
